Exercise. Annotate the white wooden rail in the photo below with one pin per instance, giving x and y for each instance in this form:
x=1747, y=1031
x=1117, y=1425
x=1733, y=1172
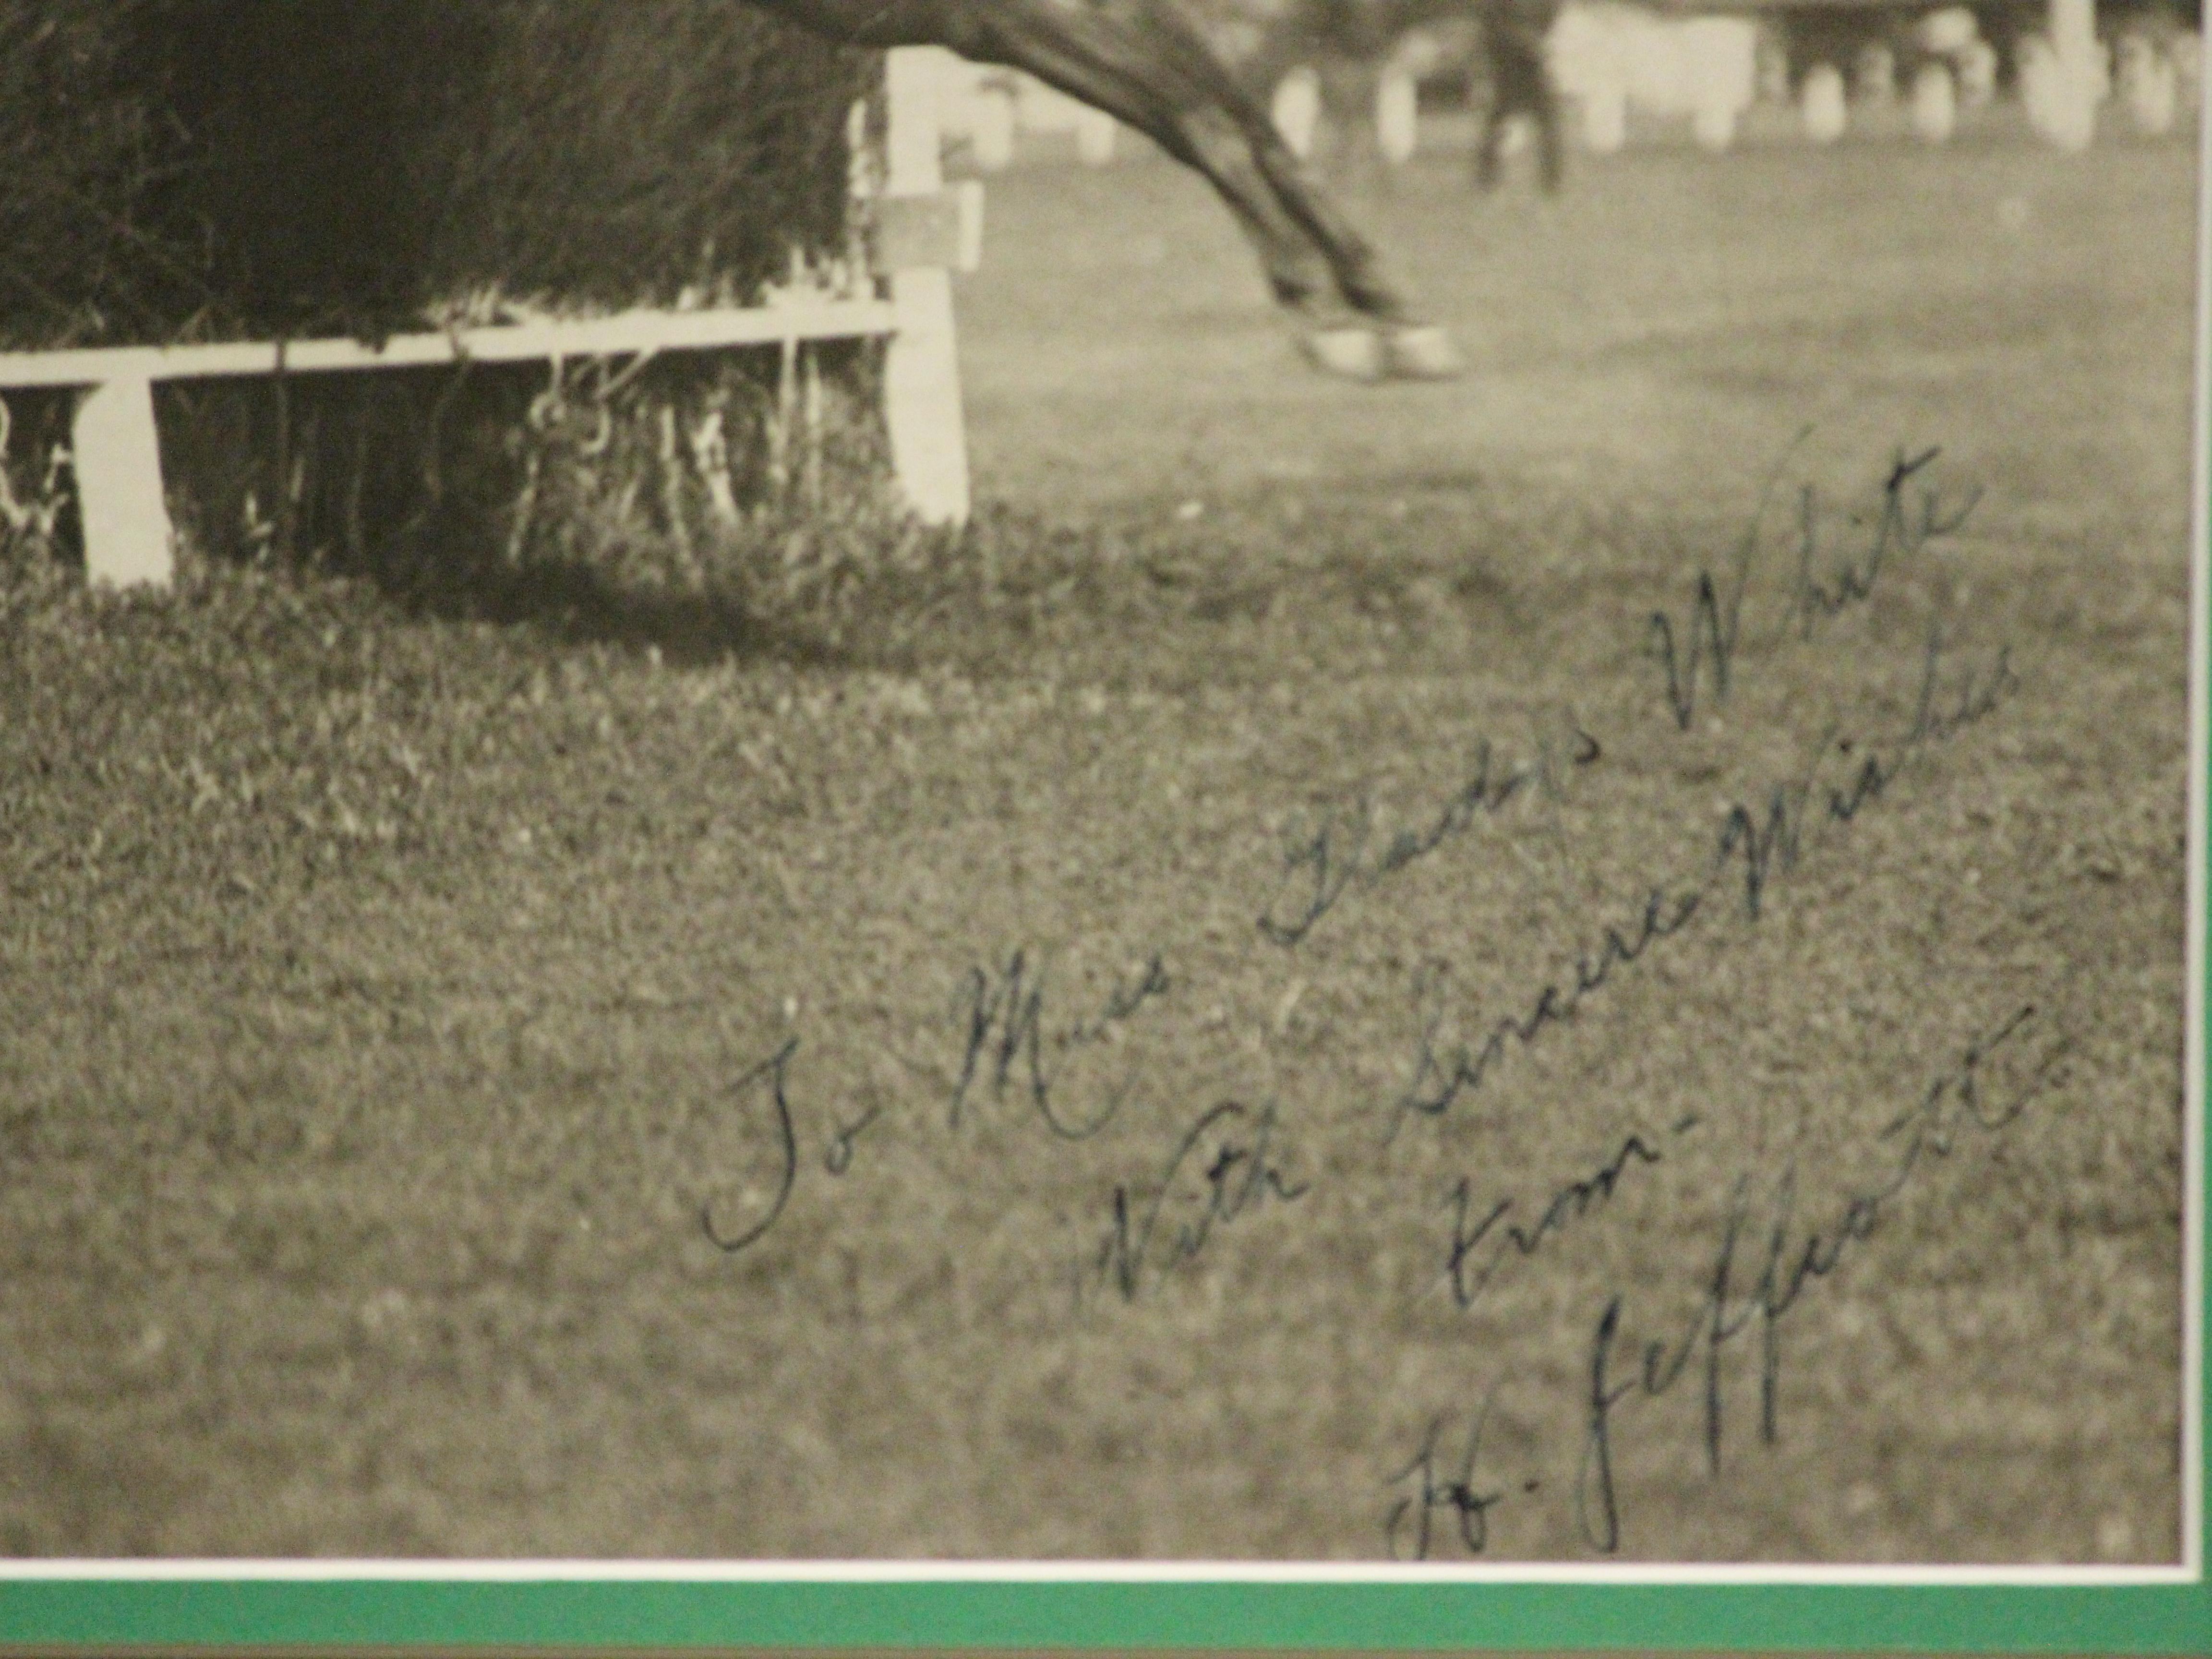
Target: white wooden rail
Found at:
x=116, y=449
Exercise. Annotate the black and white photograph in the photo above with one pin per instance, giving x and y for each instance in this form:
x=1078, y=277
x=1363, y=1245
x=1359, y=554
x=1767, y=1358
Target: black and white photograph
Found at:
x=1378, y=786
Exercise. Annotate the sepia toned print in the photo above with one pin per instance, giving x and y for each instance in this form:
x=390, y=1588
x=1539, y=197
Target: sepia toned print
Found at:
x=1098, y=903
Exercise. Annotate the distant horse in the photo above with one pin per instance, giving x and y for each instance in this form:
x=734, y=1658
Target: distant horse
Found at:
x=1143, y=63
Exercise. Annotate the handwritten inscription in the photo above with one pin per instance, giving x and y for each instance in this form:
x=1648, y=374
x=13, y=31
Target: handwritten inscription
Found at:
x=1480, y=1248
x=770, y=1072
x=1003, y=1034
x=1449, y=1489
x=1709, y=639
x=1017, y=1041
x=838, y=1155
x=1793, y=1258
x=1224, y=1165
x=1766, y=841
x=1338, y=855
x=1005, y=1041
x=1898, y=532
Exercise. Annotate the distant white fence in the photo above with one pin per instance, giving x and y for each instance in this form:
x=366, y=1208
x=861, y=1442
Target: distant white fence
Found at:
x=1613, y=59
x=1617, y=62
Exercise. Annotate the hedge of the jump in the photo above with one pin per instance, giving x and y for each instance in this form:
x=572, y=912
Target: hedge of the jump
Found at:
x=176, y=170
x=192, y=168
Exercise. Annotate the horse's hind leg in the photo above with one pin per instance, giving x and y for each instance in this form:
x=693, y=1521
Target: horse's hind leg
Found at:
x=1364, y=327
x=1355, y=268
x=1368, y=324
x=1240, y=151
x=1130, y=61
x=1316, y=263
x=1139, y=62
x=1406, y=345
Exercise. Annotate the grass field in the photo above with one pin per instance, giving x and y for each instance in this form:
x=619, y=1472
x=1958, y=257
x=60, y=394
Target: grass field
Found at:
x=390, y=1006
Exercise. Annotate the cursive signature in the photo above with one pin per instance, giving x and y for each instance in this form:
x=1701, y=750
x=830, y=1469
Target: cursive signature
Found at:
x=1456, y=1495
x=1795, y=1257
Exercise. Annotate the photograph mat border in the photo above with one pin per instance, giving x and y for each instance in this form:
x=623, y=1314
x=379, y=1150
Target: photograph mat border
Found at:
x=1344, y=1606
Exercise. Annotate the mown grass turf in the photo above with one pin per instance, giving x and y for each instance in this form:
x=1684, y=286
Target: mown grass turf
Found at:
x=386, y=996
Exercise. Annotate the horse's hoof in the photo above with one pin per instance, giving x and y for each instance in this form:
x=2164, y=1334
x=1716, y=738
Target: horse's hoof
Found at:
x=1423, y=353
x=1355, y=353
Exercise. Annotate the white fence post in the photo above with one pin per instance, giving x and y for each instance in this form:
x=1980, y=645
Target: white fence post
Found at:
x=922, y=409
x=117, y=461
x=2070, y=101
x=1398, y=116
